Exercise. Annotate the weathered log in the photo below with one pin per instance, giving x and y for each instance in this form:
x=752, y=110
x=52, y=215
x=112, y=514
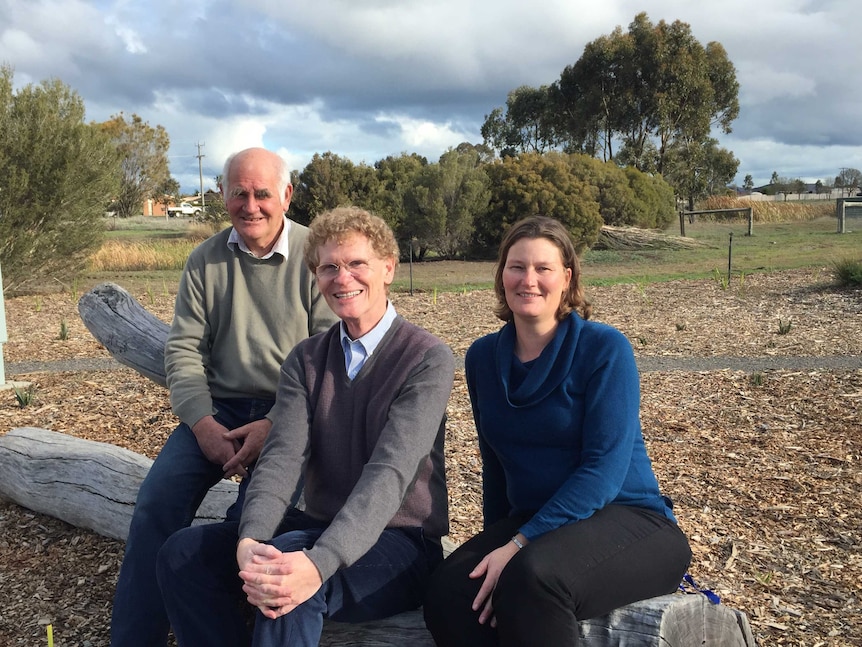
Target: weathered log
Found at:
x=133, y=335
x=675, y=620
x=85, y=483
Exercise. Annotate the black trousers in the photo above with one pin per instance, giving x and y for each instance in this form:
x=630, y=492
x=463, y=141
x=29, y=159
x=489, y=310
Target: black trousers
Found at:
x=620, y=555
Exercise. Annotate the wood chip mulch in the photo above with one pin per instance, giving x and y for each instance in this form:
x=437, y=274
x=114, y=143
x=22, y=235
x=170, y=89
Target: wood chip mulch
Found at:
x=764, y=467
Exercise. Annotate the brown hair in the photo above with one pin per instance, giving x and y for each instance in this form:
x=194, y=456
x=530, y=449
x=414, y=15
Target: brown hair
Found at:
x=554, y=231
x=339, y=223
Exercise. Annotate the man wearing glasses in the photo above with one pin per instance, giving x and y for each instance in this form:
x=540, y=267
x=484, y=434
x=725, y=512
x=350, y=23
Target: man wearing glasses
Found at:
x=358, y=426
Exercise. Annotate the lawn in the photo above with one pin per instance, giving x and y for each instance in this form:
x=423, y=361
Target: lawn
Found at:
x=772, y=246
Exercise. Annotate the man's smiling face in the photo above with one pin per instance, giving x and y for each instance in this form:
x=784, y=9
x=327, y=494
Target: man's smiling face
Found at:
x=356, y=291
x=255, y=201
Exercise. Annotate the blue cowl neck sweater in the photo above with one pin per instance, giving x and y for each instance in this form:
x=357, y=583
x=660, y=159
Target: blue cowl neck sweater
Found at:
x=560, y=436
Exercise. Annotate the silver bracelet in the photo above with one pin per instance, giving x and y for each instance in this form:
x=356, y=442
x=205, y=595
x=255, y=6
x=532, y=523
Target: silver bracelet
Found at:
x=517, y=543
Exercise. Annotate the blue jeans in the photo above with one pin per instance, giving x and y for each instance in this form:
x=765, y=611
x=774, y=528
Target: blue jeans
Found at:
x=197, y=573
x=168, y=499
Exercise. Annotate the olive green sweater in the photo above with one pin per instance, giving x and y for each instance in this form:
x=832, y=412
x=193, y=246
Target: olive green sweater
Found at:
x=236, y=319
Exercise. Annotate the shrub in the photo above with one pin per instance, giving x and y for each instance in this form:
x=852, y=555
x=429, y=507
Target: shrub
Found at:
x=848, y=272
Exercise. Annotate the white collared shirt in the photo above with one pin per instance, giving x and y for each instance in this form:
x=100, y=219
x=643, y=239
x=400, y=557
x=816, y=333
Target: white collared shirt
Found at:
x=234, y=240
x=357, y=351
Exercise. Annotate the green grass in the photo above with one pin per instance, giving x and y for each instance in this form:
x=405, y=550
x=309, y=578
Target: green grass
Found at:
x=773, y=246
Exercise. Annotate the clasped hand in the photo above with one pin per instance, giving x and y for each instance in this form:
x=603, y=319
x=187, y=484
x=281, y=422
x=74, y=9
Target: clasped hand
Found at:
x=490, y=567
x=273, y=581
x=233, y=449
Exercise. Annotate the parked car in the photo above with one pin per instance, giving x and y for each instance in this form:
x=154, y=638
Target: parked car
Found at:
x=185, y=209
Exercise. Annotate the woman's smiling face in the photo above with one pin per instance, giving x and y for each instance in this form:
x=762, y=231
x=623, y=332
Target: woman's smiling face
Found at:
x=534, y=279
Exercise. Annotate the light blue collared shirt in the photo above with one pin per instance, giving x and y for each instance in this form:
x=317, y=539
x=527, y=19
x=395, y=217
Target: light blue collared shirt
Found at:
x=357, y=351
x=234, y=240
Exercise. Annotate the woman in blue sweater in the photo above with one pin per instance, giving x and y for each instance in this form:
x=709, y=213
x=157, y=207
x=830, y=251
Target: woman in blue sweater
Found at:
x=574, y=523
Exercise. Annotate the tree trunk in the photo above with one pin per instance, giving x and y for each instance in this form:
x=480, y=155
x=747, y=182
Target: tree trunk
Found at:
x=133, y=335
x=85, y=483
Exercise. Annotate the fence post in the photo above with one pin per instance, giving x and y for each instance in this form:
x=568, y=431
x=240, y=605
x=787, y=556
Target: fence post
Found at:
x=840, y=208
x=729, y=257
x=682, y=223
x=750, y=220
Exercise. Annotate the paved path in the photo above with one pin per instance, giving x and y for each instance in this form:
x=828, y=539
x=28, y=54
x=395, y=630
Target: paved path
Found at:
x=645, y=364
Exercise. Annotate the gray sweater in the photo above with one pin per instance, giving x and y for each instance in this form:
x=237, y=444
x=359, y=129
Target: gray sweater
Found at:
x=370, y=450
x=236, y=319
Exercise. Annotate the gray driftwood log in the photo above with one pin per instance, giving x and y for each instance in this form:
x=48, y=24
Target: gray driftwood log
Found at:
x=94, y=485
x=85, y=483
x=132, y=334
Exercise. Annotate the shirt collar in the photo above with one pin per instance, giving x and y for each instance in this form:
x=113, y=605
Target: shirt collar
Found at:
x=234, y=241
x=371, y=340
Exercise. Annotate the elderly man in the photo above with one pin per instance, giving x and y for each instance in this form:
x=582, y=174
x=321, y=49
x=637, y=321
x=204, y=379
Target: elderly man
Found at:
x=245, y=299
x=359, y=421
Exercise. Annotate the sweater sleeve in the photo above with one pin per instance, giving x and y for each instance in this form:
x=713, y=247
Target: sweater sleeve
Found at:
x=495, y=503
x=277, y=480
x=407, y=438
x=610, y=426
x=187, y=349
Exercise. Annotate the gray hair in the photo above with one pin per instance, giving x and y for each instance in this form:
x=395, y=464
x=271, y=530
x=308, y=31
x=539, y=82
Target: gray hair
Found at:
x=282, y=169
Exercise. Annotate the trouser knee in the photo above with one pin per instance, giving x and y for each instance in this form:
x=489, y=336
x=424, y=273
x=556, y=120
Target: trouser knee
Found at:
x=526, y=575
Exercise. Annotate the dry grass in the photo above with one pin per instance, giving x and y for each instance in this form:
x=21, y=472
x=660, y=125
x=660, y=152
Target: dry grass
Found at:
x=126, y=256
x=771, y=211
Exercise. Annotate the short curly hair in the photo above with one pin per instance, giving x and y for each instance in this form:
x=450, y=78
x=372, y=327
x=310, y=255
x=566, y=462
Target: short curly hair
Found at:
x=553, y=231
x=337, y=224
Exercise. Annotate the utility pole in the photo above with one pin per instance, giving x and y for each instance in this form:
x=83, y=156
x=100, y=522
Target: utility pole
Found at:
x=200, y=156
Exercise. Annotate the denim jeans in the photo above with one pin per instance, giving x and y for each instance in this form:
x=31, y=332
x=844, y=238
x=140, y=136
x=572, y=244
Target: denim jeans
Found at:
x=197, y=572
x=168, y=499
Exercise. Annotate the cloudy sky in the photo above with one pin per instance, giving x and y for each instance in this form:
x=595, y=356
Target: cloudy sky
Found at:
x=370, y=78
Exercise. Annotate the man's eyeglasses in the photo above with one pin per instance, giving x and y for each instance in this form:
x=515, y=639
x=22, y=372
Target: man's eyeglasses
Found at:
x=357, y=269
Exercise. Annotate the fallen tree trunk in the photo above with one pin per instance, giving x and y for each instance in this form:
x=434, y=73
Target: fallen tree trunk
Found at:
x=675, y=620
x=93, y=485
x=83, y=482
x=133, y=335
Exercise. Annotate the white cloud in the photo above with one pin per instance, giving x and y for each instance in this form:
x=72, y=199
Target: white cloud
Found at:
x=422, y=135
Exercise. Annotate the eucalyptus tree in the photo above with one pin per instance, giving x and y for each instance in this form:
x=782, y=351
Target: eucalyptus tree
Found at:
x=443, y=201
x=465, y=193
x=57, y=173
x=143, y=151
x=330, y=181
x=652, y=88
x=527, y=124
x=699, y=169
x=596, y=99
x=396, y=175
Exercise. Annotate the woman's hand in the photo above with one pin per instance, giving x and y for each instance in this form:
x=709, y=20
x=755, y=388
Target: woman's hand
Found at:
x=273, y=581
x=490, y=567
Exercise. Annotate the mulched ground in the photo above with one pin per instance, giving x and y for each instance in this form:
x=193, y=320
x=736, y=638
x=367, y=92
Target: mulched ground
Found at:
x=763, y=466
